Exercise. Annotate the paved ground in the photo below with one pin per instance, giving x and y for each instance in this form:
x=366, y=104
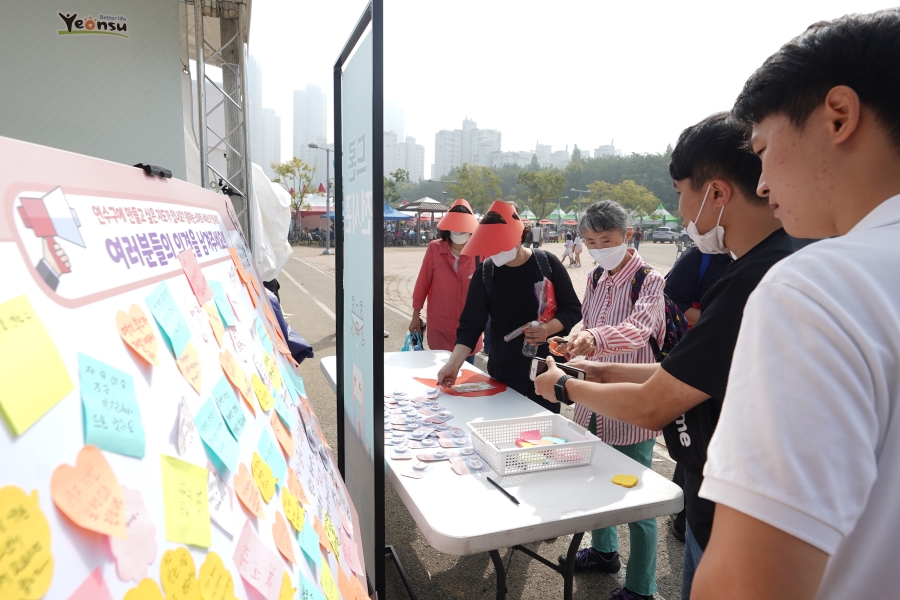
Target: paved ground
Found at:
x=307, y=294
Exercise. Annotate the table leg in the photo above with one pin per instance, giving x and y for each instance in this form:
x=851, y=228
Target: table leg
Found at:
x=501, y=574
x=569, y=569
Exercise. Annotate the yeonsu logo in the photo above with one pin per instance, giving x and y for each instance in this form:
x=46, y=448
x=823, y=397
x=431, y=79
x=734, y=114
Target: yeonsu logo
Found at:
x=116, y=25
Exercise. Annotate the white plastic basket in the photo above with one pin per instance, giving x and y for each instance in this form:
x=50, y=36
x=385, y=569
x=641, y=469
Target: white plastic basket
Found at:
x=577, y=450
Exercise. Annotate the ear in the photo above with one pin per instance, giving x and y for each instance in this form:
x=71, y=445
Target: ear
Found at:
x=720, y=193
x=841, y=112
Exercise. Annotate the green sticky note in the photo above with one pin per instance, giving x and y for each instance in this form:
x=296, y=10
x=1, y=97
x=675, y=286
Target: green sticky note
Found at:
x=31, y=369
x=223, y=304
x=273, y=457
x=216, y=436
x=112, y=417
x=168, y=316
x=185, y=502
x=228, y=404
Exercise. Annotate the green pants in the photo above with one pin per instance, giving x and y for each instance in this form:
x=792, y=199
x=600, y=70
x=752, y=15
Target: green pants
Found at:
x=640, y=574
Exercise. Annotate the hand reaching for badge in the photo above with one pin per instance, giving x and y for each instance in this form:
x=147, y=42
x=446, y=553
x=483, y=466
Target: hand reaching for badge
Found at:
x=446, y=377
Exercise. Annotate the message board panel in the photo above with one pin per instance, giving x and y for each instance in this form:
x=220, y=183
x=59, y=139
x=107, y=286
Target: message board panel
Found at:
x=155, y=434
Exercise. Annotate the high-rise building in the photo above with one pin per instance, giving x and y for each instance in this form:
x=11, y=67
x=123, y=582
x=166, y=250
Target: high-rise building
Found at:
x=406, y=155
x=310, y=127
x=270, y=141
x=394, y=119
x=560, y=159
x=606, y=150
x=453, y=148
x=543, y=154
x=255, y=119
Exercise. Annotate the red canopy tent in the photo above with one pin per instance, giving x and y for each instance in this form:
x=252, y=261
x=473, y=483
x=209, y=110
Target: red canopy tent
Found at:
x=545, y=222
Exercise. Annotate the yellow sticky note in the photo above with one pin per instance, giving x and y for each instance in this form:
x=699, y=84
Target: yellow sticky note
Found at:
x=26, y=563
x=625, y=480
x=272, y=369
x=216, y=582
x=178, y=575
x=326, y=580
x=333, y=538
x=262, y=475
x=262, y=393
x=287, y=590
x=145, y=590
x=292, y=509
x=186, y=502
x=33, y=374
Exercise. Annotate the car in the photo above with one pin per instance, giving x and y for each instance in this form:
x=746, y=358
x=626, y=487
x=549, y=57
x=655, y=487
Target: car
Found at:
x=664, y=234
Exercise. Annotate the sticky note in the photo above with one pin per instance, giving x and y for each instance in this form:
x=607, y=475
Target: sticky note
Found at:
x=222, y=304
x=248, y=492
x=136, y=331
x=272, y=455
x=236, y=376
x=185, y=501
x=332, y=534
x=263, y=395
x=344, y=585
x=215, y=321
x=260, y=330
x=272, y=369
x=296, y=488
x=261, y=368
x=281, y=532
x=625, y=480
x=349, y=552
x=239, y=265
x=308, y=590
x=112, y=417
x=326, y=580
x=229, y=407
x=282, y=435
x=89, y=493
x=138, y=550
x=93, y=588
x=297, y=381
x=190, y=447
x=178, y=575
x=216, y=436
x=33, y=374
x=281, y=409
x=145, y=590
x=216, y=582
x=262, y=475
x=530, y=436
x=195, y=276
x=292, y=509
x=162, y=306
x=189, y=365
x=219, y=501
x=258, y=565
x=240, y=343
x=26, y=562
x=287, y=590
x=309, y=542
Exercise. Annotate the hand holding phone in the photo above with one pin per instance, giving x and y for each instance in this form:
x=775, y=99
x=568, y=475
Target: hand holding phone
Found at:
x=539, y=366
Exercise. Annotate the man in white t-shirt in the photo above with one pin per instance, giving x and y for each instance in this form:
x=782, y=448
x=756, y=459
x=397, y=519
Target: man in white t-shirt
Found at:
x=804, y=465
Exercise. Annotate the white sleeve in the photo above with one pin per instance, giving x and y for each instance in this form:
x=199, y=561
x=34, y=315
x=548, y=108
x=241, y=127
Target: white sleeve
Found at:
x=795, y=446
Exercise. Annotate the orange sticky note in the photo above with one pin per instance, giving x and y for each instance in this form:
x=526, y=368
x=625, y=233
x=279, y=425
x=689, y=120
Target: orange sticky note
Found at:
x=292, y=509
x=323, y=539
x=287, y=589
x=344, y=584
x=238, y=264
x=284, y=438
x=216, y=582
x=263, y=395
x=178, y=575
x=145, y=590
x=247, y=491
x=89, y=493
x=189, y=365
x=238, y=379
x=282, y=534
x=26, y=562
x=296, y=488
x=267, y=309
x=137, y=331
x=195, y=276
x=359, y=588
x=256, y=287
x=215, y=321
x=262, y=475
x=252, y=295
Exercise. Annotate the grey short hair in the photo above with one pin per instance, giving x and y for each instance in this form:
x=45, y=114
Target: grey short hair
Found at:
x=605, y=215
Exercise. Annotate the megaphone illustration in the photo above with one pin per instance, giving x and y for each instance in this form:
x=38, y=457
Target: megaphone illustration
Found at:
x=51, y=217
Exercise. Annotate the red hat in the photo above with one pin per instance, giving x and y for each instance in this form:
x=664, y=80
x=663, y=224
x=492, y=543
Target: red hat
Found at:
x=492, y=238
x=460, y=222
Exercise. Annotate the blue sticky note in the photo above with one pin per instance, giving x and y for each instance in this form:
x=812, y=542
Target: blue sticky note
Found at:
x=112, y=417
x=284, y=413
x=273, y=457
x=229, y=407
x=299, y=388
x=262, y=335
x=165, y=311
x=309, y=543
x=308, y=590
x=222, y=303
x=215, y=435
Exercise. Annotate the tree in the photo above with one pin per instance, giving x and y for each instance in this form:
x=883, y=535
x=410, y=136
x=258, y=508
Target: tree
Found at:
x=391, y=193
x=543, y=186
x=295, y=176
x=535, y=165
x=479, y=185
x=576, y=154
x=630, y=195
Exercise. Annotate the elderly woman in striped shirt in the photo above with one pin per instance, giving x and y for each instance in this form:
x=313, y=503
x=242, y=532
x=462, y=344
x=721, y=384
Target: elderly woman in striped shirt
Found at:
x=618, y=329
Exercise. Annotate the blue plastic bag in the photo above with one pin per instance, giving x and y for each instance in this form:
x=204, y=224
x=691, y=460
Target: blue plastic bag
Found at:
x=412, y=343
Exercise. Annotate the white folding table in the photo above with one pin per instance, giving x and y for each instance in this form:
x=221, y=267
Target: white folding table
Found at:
x=462, y=515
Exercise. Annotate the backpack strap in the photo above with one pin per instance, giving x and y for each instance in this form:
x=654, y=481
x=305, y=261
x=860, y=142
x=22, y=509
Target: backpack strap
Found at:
x=543, y=263
x=596, y=274
x=487, y=275
x=704, y=264
x=637, y=282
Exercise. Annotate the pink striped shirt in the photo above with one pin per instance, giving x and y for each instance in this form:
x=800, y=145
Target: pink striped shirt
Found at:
x=622, y=335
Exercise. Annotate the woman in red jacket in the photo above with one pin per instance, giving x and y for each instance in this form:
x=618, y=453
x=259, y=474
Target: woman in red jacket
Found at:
x=444, y=279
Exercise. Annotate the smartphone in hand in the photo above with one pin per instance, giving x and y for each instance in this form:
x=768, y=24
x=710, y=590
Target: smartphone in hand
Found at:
x=539, y=366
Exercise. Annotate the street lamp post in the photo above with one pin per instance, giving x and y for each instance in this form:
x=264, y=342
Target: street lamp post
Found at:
x=580, y=192
x=328, y=152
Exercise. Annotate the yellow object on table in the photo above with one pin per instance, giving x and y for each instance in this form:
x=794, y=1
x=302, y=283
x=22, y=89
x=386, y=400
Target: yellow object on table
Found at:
x=628, y=481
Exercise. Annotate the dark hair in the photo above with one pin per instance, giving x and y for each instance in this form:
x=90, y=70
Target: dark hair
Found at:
x=859, y=51
x=492, y=218
x=715, y=147
x=459, y=208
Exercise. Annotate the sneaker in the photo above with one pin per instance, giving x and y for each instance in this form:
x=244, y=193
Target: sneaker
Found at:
x=626, y=594
x=588, y=559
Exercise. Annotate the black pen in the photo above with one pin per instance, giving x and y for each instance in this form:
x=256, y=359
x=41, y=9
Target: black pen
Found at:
x=505, y=493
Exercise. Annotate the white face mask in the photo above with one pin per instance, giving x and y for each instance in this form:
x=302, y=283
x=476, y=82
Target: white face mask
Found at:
x=713, y=241
x=501, y=258
x=459, y=238
x=608, y=258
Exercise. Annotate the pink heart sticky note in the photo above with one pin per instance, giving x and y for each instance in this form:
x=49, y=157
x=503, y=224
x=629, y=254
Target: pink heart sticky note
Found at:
x=138, y=550
x=137, y=331
x=247, y=491
x=89, y=493
x=189, y=365
x=215, y=321
x=195, y=276
x=282, y=534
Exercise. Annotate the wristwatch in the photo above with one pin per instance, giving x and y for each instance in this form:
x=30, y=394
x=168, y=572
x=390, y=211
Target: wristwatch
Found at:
x=560, y=389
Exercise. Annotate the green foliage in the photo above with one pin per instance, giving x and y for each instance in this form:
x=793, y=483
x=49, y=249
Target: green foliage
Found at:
x=479, y=185
x=576, y=154
x=535, y=165
x=295, y=174
x=542, y=187
x=392, y=192
x=630, y=195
